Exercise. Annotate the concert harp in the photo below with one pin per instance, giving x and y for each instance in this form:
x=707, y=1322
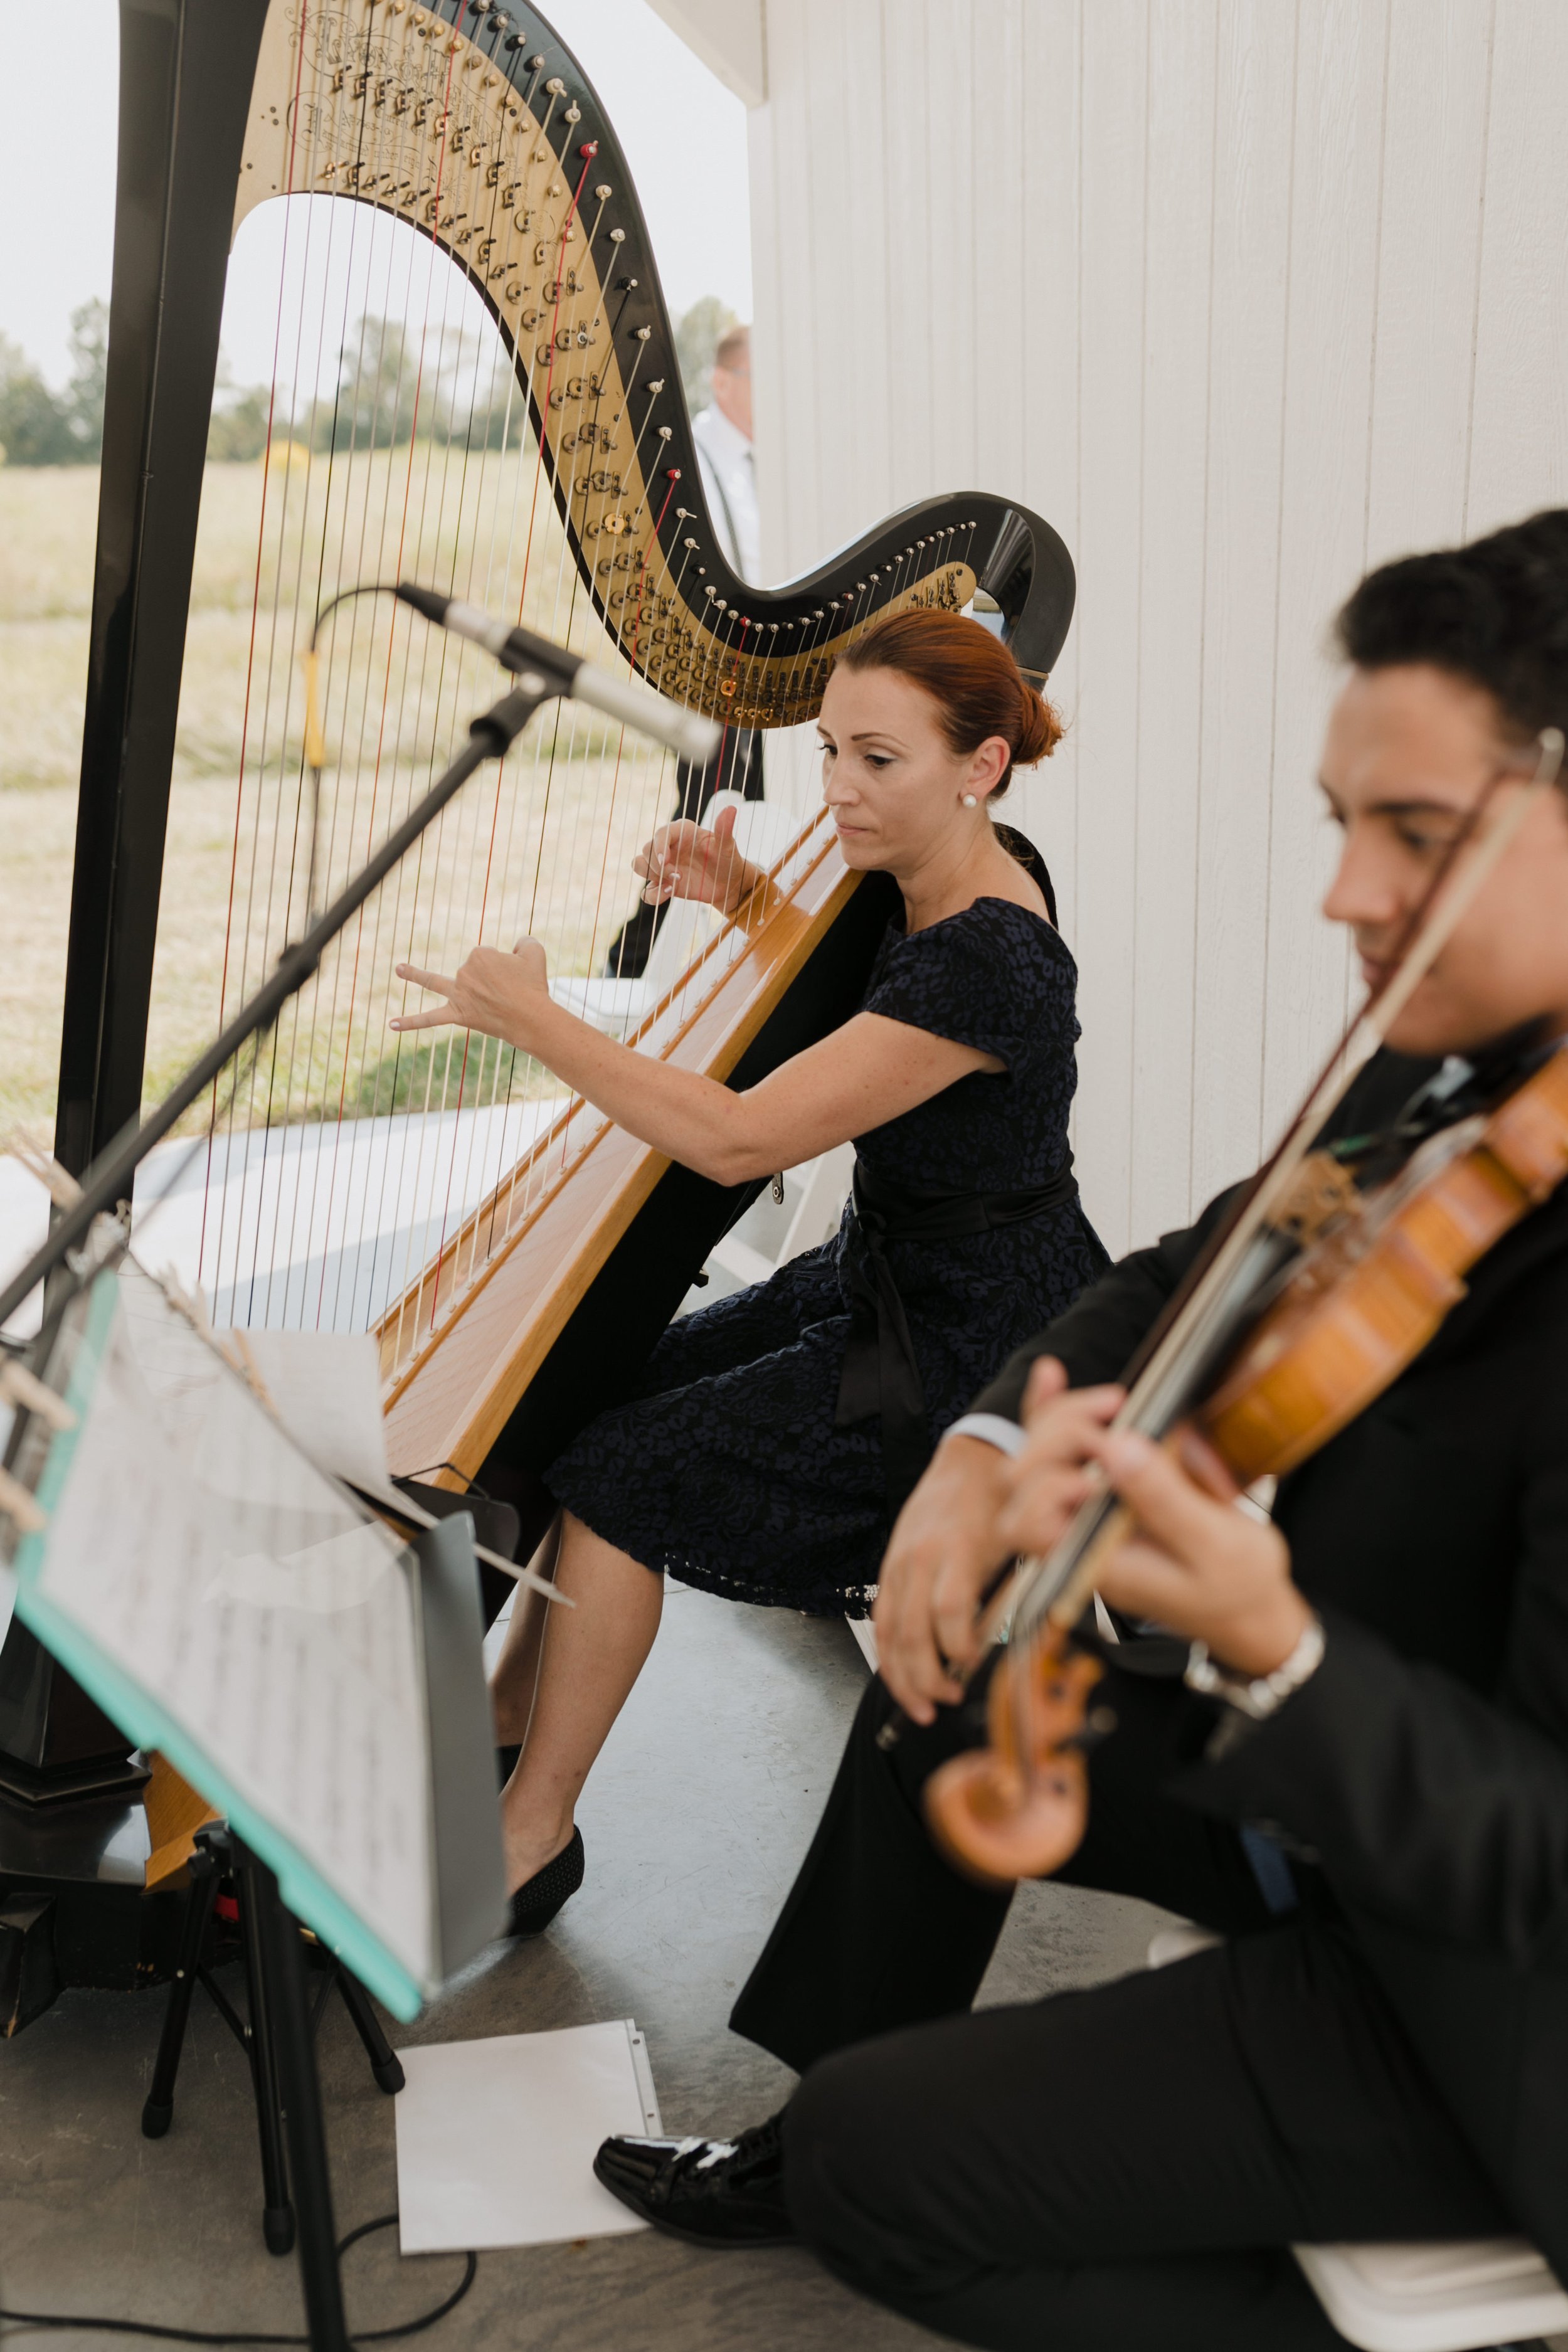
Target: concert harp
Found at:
x=517, y=436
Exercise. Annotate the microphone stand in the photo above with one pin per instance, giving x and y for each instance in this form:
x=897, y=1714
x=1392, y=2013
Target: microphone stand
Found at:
x=277, y=1988
x=108, y=1181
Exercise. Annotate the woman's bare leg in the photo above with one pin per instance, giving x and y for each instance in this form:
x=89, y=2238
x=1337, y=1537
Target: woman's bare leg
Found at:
x=592, y=1656
x=516, y=1677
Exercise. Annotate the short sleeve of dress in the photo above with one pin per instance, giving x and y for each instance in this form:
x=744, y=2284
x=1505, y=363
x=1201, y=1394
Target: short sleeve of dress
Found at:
x=985, y=977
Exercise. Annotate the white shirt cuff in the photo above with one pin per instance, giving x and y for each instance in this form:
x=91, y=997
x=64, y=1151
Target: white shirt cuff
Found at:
x=991, y=1429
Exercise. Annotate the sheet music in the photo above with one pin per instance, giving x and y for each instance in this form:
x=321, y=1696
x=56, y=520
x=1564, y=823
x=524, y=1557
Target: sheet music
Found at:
x=256, y=1605
x=326, y=1386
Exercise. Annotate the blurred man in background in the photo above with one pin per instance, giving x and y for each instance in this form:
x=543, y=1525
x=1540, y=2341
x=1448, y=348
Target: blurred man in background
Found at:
x=722, y=432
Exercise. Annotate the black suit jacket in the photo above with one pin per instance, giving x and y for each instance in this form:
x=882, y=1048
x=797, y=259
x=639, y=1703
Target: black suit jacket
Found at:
x=1425, y=1766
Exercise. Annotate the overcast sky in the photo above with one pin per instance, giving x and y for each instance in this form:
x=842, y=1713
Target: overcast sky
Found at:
x=684, y=134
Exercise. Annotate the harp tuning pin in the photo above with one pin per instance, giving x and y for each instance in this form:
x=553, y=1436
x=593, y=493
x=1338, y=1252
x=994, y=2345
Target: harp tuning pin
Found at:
x=644, y=335
x=665, y=432
x=604, y=192
x=656, y=385
x=573, y=114
x=617, y=236
x=686, y=542
x=554, y=87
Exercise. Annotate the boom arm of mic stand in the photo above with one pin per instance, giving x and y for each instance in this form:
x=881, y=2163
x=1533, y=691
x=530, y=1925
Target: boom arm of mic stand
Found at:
x=108, y=1181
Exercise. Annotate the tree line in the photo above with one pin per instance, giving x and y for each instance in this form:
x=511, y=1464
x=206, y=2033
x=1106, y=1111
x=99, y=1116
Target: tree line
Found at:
x=392, y=388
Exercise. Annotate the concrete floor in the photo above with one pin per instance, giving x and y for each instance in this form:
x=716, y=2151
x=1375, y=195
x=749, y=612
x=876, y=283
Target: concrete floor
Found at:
x=694, y=1824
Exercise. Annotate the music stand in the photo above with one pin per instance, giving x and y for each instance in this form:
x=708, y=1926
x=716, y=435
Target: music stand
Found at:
x=220, y=1854
x=299, y=1609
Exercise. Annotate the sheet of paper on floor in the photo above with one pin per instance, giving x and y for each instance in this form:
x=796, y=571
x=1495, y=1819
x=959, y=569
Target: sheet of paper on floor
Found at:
x=496, y=2138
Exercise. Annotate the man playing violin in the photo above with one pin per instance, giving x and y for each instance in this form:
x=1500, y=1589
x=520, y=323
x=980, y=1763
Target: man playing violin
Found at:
x=1342, y=1739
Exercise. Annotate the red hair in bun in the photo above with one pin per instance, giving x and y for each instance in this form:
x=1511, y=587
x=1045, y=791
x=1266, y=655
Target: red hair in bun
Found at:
x=977, y=687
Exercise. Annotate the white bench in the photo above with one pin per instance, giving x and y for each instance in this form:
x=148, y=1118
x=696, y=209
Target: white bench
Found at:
x=1449, y=2295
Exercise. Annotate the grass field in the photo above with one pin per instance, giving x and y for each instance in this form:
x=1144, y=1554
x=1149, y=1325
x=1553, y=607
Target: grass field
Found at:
x=544, y=846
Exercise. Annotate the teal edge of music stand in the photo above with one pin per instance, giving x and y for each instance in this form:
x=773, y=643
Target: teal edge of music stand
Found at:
x=302, y=1886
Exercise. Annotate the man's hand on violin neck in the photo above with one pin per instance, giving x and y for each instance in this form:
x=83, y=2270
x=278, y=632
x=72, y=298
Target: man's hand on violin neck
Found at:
x=1058, y=1470
x=964, y=1520
x=944, y=1552
x=1195, y=1562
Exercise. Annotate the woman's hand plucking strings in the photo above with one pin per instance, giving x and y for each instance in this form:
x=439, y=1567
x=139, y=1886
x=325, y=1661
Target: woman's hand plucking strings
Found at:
x=491, y=991
x=685, y=860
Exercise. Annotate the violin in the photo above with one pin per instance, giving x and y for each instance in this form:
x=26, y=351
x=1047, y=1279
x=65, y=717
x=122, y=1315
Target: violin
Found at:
x=1310, y=1302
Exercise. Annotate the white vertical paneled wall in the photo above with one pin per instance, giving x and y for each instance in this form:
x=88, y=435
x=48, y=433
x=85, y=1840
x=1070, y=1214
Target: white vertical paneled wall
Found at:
x=1243, y=296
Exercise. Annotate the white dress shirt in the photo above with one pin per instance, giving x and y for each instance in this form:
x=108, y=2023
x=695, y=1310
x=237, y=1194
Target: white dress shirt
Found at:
x=729, y=479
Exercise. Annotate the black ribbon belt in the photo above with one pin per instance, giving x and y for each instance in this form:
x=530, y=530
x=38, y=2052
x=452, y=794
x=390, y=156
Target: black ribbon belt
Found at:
x=881, y=1374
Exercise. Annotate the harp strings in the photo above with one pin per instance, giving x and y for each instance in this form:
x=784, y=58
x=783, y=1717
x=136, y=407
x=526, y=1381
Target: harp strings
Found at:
x=290, y=1054
x=351, y=1159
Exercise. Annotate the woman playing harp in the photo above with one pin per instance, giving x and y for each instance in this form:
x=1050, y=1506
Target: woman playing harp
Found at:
x=772, y=1437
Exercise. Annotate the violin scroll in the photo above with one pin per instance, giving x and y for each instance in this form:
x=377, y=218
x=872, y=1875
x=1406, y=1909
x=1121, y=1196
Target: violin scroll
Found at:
x=997, y=1810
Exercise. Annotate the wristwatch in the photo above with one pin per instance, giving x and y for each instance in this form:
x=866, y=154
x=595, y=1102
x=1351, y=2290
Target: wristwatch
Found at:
x=1258, y=1697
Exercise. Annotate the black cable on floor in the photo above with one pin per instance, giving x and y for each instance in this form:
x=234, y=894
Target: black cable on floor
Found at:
x=204, y=2335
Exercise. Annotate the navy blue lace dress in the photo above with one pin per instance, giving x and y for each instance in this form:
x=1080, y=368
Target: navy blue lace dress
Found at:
x=728, y=1467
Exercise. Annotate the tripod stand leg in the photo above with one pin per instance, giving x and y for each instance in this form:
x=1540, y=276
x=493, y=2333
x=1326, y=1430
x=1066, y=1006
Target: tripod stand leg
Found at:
x=158, y=2112
x=384, y=2063
x=276, y=2213
x=294, y=2048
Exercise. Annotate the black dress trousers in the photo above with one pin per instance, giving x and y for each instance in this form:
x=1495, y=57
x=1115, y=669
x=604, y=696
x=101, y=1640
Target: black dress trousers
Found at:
x=1107, y=2169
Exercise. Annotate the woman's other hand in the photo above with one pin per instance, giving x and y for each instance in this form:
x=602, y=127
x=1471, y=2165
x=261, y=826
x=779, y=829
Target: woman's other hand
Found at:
x=694, y=861
x=492, y=991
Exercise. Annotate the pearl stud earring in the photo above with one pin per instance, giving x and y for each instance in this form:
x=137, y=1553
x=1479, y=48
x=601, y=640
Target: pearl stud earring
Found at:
x=969, y=800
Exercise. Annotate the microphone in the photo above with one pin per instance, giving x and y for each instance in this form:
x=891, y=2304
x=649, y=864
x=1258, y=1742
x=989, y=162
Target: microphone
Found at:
x=626, y=699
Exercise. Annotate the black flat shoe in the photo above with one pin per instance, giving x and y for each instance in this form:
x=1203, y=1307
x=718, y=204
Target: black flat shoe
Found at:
x=506, y=1762
x=712, y=2192
x=539, y=1898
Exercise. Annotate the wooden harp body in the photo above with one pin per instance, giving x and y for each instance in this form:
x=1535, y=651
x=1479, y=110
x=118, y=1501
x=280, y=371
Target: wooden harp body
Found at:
x=504, y=419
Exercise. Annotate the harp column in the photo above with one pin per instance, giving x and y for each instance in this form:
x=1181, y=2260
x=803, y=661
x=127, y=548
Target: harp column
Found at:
x=186, y=74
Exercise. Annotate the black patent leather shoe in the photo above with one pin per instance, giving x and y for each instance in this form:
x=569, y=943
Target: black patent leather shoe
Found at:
x=712, y=2192
x=539, y=1898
